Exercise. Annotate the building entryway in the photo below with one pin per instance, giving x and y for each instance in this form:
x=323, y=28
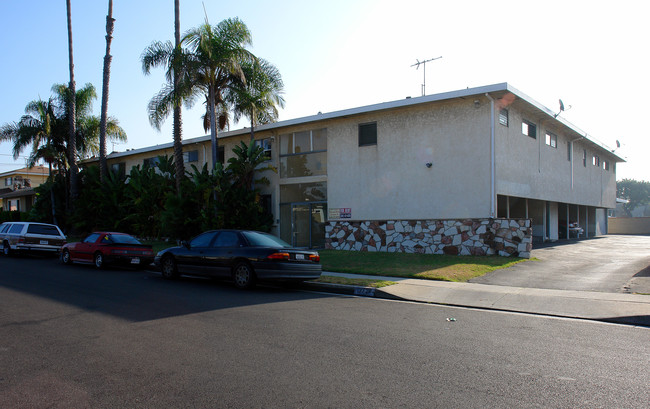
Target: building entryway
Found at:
x=303, y=224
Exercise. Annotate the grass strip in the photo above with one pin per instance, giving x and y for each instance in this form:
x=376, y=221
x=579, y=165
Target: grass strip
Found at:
x=423, y=266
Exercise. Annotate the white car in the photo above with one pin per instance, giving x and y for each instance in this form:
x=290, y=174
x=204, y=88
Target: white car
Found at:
x=30, y=236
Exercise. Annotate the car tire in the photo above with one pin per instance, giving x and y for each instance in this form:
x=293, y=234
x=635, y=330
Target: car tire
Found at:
x=65, y=257
x=168, y=268
x=98, y=260
x=243, y=276
x=6, y=250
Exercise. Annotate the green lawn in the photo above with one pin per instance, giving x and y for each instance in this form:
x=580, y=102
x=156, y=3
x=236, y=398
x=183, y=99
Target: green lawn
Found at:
x=424, y=266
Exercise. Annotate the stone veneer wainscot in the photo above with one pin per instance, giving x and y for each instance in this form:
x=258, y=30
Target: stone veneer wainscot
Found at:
x=477, y=237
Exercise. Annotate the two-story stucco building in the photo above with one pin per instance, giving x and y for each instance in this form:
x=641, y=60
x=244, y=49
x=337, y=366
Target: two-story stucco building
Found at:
x=440, y=173
x=17, y=187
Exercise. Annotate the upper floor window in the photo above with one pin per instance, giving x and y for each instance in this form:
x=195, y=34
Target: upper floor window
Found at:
x=584, y=158
x=569, y=148
x=118, y=168
x=266, y=145
x=151, y=162
x=529, y=129
x=503, y=117
x=191, y=156
x=551, y=140
x=595, y=160
x=606, y=165
x=8, y=182
x=303, y=153
x=368, y=134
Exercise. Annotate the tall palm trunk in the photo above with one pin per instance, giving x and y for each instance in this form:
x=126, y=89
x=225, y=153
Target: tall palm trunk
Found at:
x=72, y=145
x=103, y=167
x=178, y=145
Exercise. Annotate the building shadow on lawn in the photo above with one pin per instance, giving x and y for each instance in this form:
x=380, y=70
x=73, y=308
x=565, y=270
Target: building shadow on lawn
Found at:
x=134, y=295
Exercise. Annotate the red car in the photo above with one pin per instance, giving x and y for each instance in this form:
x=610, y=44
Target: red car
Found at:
x=101, y=248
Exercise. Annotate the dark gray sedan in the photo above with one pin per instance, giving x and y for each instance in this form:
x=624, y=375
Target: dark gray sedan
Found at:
x=244, y=256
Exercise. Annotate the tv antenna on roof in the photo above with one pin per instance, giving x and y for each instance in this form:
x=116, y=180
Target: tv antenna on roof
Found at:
x=417, y=65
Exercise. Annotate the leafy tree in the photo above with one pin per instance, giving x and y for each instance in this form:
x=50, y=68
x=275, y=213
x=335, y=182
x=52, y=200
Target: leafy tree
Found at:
x=636, y=192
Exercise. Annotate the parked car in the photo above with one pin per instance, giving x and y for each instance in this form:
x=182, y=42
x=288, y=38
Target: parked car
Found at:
x=102, y=248
x=575, y=231
x=244, y=256
x=32, y=237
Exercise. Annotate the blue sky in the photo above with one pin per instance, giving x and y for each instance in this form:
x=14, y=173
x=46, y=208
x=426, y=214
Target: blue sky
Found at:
x=341, y=54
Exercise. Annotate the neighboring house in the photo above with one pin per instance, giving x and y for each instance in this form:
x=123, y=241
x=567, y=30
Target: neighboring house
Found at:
x=474, y=171
x=17, y=187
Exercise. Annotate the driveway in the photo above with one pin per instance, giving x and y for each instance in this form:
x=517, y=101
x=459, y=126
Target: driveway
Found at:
x=613, y=263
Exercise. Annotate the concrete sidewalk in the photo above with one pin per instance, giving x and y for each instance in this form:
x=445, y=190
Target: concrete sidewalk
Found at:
x=611, y=307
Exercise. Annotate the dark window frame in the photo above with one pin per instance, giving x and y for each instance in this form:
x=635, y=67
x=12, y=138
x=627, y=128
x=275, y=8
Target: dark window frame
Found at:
x=531, y=129
x=503, y=117
x=367, y=134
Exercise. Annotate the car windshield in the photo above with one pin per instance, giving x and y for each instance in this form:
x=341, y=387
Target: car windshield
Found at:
x=123, y=239
x=257, y=239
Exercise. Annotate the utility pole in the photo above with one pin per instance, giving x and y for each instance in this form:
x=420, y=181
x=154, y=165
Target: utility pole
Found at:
x=417, y=65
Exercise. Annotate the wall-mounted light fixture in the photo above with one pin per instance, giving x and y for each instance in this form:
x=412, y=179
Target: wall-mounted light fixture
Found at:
x=477, y=103
x=429, y=164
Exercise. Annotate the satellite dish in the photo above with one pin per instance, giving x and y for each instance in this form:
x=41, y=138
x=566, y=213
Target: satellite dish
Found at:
x=618, y=144
x=561, y=106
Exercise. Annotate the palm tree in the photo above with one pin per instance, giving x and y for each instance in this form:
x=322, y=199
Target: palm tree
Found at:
x=214, y=64
x=74, y=171
x=38, y=128
x=87, y=125
x=103, y=171
x=169, y=56
x=259, y=98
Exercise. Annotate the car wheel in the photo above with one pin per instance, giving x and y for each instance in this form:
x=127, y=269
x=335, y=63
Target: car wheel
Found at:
x=6, y=250
x=98, y=260
x=243, y=276
x=168, y=268
x=65, y=257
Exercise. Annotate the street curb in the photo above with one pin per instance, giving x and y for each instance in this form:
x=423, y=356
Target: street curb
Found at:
x=371, y=292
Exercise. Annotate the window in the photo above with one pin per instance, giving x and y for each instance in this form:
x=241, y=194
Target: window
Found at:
x=91, y=238
x=191, y=156
x=551, y=140
x=203, y=240
x=303, y=153
x=503, y=117
x=568, y=151
x=266, y=145
x=14, y=205
x=44, y=229
x=584, y=158
x=529, y=129
x=16, y=228
x=595, y=160
x=605, y=165
x=368, y=134
x=8, y=182
x=221, y=154
x=226, y=239
x=151, y=162
x=118, y=168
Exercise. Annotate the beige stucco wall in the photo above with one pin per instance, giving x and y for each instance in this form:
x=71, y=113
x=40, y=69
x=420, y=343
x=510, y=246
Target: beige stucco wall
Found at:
x=629, y=225
x=391, y=180
x=529, y=168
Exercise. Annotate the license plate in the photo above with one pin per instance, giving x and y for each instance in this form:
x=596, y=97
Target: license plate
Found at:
x=135, y=260
x=300, y=256
x=44, y=242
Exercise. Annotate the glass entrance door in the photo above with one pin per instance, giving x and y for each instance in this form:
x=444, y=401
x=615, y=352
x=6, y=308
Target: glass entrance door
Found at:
x=303, y=224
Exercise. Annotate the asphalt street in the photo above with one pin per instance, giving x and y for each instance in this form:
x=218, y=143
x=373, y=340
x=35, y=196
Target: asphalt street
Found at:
x=73, y=336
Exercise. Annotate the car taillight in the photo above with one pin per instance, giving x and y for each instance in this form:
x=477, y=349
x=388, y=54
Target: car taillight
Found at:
x=278, y=256
x=314, y=257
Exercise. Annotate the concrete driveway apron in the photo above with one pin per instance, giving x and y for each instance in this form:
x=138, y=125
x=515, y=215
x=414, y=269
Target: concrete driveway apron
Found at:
x=613, y=263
